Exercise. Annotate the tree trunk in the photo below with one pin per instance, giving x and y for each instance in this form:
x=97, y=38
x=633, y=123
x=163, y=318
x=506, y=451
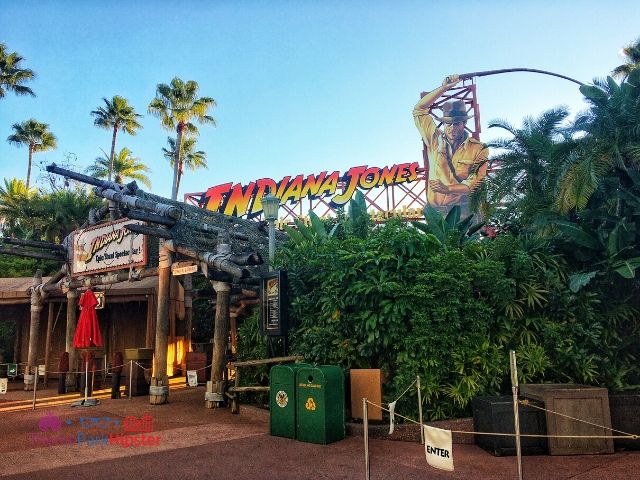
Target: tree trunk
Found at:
x=113, y=149
x=32, y=355
x=47, y=344
x=113, y=209
x=179, y=176
x=188, y=311
x=17, y=342
x=176, y=161
x=159, y=392
x=72, y=298
x=30, y=163
x=215, y=388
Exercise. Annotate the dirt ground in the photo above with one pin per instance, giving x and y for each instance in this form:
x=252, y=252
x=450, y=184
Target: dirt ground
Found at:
x=189, y=441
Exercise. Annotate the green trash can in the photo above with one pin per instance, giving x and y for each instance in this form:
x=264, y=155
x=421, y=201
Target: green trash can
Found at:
x=320, y=404
x=282, y=399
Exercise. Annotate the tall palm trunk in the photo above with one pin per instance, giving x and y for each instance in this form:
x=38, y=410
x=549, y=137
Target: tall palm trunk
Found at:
x=113, y=149
x=30, y=163
x=179, y=177
x=176, y=162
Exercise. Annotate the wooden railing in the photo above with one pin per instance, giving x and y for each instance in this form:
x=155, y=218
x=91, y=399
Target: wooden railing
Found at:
x=234, y=392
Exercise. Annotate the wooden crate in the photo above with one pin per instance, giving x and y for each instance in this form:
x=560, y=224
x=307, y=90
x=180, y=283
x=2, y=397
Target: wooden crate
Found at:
x=625, y=416
x=366, y=383
x=590, y=404
x=495, y=414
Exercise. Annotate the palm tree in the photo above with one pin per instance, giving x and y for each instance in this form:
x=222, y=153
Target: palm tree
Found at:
x=14, y=200
x=608, y=154
x=36, y=136
x=124, y=166
x=116, y=115
x=11, y=75
x=526, y=167
x=191, y=158
x=177, y=105
x=632, y=60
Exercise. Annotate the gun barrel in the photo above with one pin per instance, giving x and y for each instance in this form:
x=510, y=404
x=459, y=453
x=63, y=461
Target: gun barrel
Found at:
x=80, y=177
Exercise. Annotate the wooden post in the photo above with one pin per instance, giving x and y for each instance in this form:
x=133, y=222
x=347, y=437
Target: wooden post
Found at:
x=233, y=329
x=47, y=344
x=17, y=342
x=72, y=306
x=149, y=333
x=188, y=311
x=214, y=397
x=159, y=390
x=36, y=308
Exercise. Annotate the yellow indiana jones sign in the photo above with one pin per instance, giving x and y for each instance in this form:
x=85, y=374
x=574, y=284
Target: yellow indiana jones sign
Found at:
x=108, y=247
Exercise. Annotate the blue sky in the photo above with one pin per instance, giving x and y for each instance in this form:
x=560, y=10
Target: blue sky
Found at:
x=301, y=86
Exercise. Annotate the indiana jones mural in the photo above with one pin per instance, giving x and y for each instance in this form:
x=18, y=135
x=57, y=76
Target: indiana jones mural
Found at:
x=457, y=161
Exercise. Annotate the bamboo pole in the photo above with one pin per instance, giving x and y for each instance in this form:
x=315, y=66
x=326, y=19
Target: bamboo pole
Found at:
x=420, y=411
x=516, y=416
x=365, y=428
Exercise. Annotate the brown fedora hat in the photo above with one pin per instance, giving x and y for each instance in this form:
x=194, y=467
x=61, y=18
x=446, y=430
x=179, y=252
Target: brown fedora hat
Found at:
x=454, y=112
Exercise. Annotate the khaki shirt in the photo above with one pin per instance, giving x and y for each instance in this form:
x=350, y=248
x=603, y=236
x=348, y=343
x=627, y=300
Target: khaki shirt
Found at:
x=466, y=160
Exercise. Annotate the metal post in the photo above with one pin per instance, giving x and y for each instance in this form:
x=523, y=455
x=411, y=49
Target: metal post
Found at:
x=130, y=376
x=420, y=411
x=35, y=387
x=365, y=425
x=516, y=417
x=86, y=377
x=272, y=243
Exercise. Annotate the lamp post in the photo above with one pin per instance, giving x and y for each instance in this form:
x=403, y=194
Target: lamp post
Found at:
x=270, y=206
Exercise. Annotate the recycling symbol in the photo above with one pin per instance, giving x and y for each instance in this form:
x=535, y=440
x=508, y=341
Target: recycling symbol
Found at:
x=310, y=405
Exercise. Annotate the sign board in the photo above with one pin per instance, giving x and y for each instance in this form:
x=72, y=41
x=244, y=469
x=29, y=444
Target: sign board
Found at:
x=42, y=369
x=12, y=370
x=107, y=247
x=192, y=378
x=101, y=300
x=4, y=382
x=274, y=304
x=335, y=188
x=183, y=268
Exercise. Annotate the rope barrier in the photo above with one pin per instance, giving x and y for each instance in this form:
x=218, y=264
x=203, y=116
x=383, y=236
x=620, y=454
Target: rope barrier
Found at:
x=526, y=403
x=406, y=390
x=106, y=369
x=626, y=436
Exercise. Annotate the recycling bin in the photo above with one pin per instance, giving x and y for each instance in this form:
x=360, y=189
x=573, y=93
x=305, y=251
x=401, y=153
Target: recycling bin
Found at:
x=282, y=400
x=320, y=403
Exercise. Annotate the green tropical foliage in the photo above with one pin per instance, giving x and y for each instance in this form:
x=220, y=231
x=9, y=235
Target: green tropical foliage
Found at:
x=34, y=135
x=558, y=283
x=12, y=75
x=192, y=159
x=42, y=216
x=116, y=115
x=632, y=57
x=124, y=167
x=177, y=105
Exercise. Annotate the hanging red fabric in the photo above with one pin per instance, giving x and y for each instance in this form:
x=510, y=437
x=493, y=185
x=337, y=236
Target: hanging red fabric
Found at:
x=88, y=331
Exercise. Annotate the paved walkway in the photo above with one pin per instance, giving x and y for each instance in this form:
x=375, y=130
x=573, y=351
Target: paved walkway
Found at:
x=194, y=442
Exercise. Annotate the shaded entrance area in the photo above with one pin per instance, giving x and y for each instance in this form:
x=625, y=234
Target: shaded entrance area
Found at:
x=128, y=321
